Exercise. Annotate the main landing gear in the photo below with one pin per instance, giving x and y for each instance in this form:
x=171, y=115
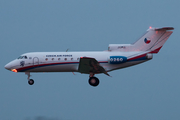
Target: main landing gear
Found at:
x=93, y=81
x=30, y=81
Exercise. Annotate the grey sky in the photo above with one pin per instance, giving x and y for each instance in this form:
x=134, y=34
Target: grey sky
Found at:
x=146, y=91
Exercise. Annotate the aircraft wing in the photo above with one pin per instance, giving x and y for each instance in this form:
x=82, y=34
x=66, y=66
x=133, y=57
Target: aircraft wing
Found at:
x=90, y=65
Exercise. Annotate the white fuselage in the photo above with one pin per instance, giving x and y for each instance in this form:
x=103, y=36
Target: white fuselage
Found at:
x=69, y=61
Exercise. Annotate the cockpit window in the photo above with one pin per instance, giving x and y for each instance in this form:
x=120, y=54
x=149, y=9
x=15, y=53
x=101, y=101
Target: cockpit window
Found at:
x=22, y=57
x=19, y=57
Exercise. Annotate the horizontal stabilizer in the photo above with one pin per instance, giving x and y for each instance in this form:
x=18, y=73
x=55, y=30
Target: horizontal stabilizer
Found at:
x=164, y=28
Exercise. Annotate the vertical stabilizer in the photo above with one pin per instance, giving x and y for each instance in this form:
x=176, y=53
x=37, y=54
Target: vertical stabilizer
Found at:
x=153, y=40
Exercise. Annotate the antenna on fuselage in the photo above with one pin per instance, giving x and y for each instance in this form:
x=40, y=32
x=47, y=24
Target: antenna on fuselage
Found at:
x=67, y=49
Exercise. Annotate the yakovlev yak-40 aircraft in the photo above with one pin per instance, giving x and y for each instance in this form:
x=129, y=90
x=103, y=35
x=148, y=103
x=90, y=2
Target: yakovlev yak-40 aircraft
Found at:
x=116, y=57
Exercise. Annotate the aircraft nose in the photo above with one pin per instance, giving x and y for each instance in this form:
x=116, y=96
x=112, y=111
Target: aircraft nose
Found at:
x=11, y=66
x=7, y=66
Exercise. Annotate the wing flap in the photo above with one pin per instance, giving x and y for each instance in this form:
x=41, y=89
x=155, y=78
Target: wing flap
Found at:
x=90, y=65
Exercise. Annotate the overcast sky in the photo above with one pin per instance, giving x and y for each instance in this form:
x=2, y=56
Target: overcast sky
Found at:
x=148, y=91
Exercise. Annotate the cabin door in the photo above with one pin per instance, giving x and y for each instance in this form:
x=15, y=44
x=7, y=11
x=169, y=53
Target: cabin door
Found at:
x=36, y=61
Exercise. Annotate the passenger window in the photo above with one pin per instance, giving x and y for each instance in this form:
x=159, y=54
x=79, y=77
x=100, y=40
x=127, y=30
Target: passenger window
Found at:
x=77, y=58
x=71, y=58
x=52, y=58
x=65, y=58
x=46, y=59
x=59, y=58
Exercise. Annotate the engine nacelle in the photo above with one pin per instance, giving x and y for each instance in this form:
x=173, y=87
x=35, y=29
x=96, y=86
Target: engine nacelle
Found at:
x=117, y=59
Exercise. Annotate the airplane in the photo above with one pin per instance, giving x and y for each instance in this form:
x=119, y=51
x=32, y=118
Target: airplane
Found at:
x=117, y=56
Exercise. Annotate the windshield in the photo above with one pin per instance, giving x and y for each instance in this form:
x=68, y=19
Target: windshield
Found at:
x=22, y=57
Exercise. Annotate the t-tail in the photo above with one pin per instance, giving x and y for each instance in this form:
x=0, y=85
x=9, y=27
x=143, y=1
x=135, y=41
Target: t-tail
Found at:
x=152, y=41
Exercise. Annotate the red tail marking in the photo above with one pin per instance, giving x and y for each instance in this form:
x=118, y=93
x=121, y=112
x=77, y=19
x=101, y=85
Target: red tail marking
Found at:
x=156, y=50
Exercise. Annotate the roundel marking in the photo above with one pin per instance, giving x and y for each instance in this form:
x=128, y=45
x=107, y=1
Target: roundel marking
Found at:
x=147, y=40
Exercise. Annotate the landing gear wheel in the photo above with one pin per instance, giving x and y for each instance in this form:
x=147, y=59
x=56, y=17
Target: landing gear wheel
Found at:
x=94, y=81
x=31, y=82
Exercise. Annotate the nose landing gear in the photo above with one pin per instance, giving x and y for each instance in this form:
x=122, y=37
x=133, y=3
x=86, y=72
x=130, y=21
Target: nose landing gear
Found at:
x=30, y=81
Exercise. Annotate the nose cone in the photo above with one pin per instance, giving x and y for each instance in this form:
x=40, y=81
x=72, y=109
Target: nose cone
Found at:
x=12, y=66
x=8, y=66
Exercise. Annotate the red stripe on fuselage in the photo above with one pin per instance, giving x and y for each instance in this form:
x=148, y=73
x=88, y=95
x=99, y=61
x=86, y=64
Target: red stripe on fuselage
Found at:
x=49, y=64
x=137, y=57
x=42, y=65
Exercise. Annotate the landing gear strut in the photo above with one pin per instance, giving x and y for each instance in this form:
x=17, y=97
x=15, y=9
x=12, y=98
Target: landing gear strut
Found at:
x=30, y=81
